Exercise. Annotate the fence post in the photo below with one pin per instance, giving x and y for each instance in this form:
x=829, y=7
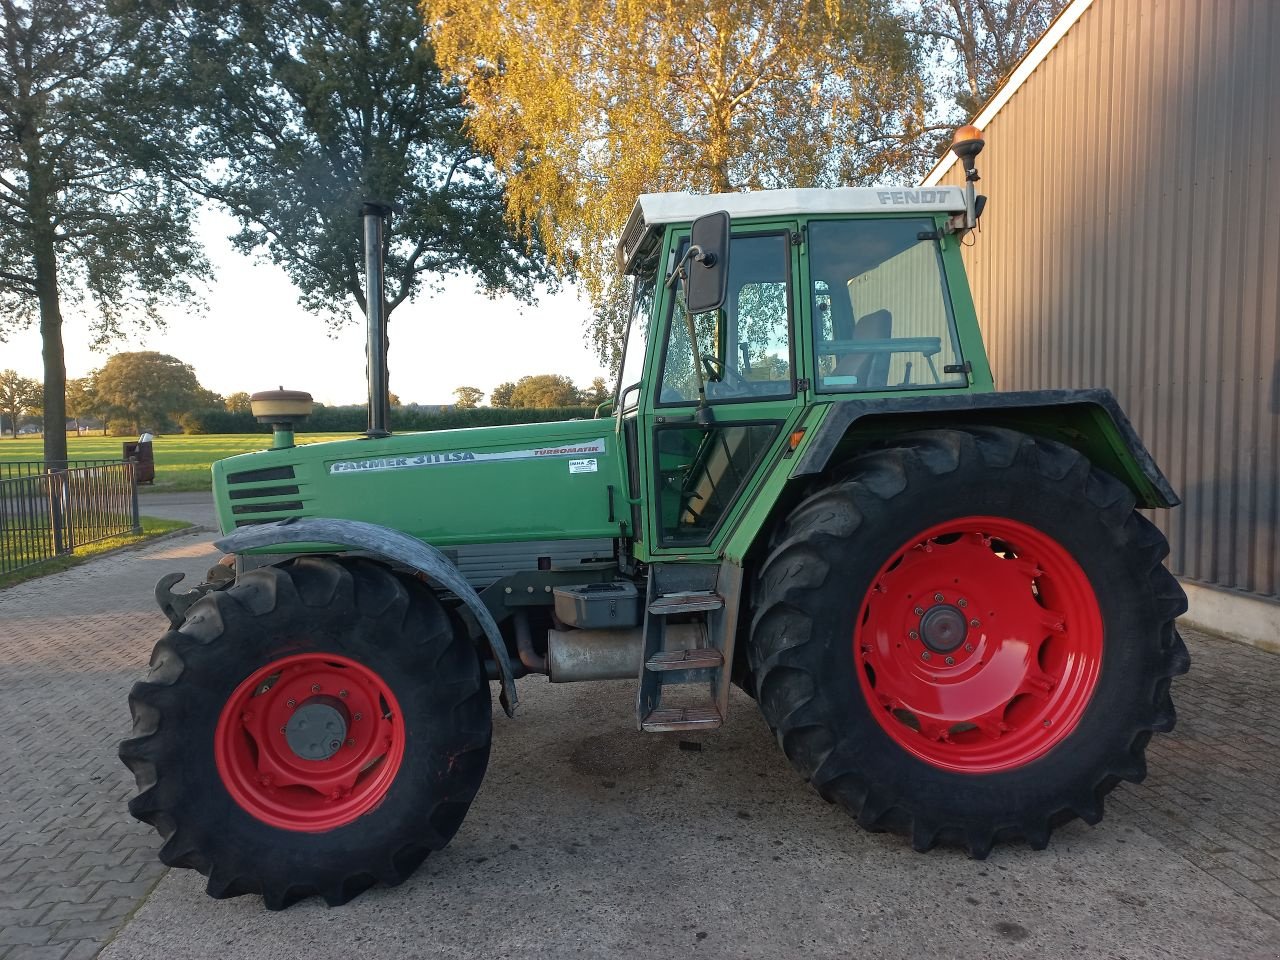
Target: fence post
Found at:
x=54, y=488
x=133, y=489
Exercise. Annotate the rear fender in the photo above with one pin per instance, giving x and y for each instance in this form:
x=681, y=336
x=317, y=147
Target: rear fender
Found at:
x=390, y=545
x=1091, y=421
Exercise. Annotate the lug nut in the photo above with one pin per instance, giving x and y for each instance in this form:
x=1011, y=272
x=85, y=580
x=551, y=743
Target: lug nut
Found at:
x=291, y=702
x=925, y=655
x=351, y=743
x=315, y=688
x=919, y=611
x=951, y=661
x=913, y=635
x=962, y=602
x=357, y=717
x=342, y=694
x=937, y=597
x=974, y=623
x=334, y=744
x=282, y=730
x=968, y=648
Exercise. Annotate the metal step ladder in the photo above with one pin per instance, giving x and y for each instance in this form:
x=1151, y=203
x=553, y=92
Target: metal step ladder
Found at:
x=684, y=656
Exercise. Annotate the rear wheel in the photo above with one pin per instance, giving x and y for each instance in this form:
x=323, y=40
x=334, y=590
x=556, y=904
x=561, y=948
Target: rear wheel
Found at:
x=313, y=729
x=967, y=637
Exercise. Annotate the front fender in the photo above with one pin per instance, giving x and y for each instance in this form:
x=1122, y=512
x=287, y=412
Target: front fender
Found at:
x=391, y=545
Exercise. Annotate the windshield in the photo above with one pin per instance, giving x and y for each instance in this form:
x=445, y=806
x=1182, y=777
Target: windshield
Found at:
x=642, y=292
x=881, y=312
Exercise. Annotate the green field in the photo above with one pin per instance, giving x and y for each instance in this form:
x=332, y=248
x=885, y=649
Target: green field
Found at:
x=182, y=463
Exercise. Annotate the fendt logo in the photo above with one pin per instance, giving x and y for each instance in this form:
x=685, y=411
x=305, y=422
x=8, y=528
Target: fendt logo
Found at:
x=911, y=196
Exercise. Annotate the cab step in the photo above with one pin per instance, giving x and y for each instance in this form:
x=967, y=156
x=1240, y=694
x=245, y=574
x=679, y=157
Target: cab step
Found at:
x=689, y=601
x=671, y=719
x=702, y=658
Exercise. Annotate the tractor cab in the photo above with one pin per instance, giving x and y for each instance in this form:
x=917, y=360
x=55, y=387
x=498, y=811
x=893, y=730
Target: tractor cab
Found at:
x=816, y=296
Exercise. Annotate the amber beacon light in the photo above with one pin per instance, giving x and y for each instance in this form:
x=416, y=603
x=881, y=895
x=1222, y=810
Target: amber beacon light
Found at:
x=966, y=144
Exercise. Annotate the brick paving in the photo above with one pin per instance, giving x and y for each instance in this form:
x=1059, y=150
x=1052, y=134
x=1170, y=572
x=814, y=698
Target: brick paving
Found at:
x=74, y=865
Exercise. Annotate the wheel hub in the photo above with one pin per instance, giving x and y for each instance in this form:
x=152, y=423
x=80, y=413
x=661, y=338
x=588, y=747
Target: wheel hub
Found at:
x=316, y=730
x=943, y=628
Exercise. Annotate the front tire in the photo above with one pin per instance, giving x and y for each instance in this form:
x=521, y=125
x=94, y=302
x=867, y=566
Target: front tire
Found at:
x=315, y=728
x=967, y=637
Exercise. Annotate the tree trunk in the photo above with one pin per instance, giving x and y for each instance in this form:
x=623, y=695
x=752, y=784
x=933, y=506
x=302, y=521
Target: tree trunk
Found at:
x=55, y=368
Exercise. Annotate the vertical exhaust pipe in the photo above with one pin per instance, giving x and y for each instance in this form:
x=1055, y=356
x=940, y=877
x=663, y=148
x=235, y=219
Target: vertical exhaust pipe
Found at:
x=374, y=215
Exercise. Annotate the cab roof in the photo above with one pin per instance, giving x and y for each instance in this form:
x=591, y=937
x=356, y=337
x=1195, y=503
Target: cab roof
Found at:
x=653, y=210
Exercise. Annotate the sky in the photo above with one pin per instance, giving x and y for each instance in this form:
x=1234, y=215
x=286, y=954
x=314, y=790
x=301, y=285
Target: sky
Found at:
x=254, y=336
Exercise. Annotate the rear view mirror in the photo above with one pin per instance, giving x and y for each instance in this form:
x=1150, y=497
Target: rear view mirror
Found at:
x=708, y=270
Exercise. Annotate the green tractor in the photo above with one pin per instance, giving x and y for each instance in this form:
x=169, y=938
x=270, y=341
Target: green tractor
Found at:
x=942, y=597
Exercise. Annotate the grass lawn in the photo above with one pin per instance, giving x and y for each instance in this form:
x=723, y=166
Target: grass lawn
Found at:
x=182, y=462
x=151, y=527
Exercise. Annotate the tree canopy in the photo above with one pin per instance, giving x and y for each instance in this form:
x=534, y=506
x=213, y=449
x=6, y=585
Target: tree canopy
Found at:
x=977, y=43
x=80, y=223
x=290, y=113
x=18, y=395
x=468, y=398
x=148, y=390
x=586, y=104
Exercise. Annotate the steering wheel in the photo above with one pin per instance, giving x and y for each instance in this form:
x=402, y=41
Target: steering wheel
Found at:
x=718, y=372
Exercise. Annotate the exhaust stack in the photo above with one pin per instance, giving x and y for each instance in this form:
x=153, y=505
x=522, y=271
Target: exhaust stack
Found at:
x=374, y=215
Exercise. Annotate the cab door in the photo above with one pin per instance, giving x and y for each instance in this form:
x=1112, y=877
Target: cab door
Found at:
x=699, y=471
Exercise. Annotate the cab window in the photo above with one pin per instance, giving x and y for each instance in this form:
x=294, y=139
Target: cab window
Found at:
x=881, y=313
x=745, y=347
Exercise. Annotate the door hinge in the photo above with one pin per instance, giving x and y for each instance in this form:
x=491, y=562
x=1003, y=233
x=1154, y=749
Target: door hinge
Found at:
x=966, y=367
x=798, y=237
x=803, y=383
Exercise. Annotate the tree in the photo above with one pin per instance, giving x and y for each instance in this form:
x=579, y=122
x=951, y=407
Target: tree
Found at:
x=544, y=390
x=78, y=221
x=148, y=390
x=238, y=402
x=290, y=113
x=977, y=43
x=468, y=397
x=18, y=396
x=585, y=105
x=597, y=393
x=500, y=396
x=82, y=400
x=394, y=399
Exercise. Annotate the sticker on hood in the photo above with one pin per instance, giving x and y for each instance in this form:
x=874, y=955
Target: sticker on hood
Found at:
x=411, y=460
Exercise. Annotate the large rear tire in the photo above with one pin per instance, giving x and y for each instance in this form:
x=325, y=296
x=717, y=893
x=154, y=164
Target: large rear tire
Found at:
x=315, y=728
x=967, y=637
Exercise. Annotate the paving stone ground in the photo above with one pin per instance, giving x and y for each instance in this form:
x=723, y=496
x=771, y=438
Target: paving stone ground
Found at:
x=74, y=866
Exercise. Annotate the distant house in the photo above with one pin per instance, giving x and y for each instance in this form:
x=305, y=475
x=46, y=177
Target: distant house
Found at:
x=1130, y=242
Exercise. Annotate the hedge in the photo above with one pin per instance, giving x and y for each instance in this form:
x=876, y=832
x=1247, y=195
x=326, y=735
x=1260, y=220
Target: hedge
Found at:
x=356, y=419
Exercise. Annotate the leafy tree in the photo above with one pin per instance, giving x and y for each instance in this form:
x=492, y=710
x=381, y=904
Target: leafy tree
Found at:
x=148, y=390
x=237, y=402
x=79, y=223
x=468, y=397
x=977, y=43
x=500, y=396
x=544, y=390
x=18, y=396
x=82, y=400
x=394, y=399
x=585, y=105
x=291, y=112
x=597, y=393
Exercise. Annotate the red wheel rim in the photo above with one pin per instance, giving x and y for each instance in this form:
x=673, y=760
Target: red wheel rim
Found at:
x=979, y=644
x=311, y=702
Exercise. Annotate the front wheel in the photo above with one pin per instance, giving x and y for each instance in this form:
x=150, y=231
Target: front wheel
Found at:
x=315, y=728
x=967, y=638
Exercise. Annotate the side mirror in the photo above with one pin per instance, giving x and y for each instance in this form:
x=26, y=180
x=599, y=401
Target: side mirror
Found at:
x=708, y=271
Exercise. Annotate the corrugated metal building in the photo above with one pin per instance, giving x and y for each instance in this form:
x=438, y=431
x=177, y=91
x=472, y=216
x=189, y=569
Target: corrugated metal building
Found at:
x=1132, y=241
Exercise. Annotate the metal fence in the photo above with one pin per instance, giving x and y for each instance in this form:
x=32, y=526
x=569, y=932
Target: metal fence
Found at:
x=45, y=513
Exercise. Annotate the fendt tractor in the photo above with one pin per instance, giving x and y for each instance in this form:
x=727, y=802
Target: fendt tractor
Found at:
x=942, y=597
